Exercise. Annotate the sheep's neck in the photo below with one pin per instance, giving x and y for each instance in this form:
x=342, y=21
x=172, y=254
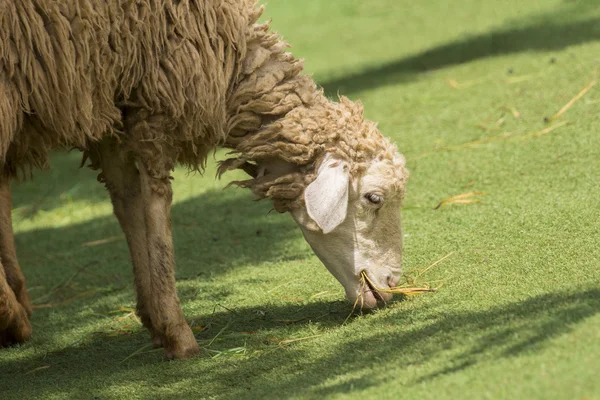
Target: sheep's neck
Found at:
x=268, y=105
x=269, y=84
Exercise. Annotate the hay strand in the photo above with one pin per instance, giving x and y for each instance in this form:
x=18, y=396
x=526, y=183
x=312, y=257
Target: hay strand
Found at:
x=464, y=198
x=99, y=242
x=464, y=85
x=360, y=295
x=63, y=302
x=403, y=290
x=543, y=131
x=432, y=265
x=515, y=113
x=408, y=289
x=288, y=341
x=573, y=100
x=37, y=369
x=139, y=351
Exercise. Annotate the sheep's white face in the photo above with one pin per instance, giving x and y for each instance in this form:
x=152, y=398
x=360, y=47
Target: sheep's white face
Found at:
x=355, y=226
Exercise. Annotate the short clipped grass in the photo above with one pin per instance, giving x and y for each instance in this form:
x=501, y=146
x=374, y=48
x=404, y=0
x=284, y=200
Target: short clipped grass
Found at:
x=467, y=89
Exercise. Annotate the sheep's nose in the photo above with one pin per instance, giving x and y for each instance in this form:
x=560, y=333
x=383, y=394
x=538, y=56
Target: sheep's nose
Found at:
x=393, y=281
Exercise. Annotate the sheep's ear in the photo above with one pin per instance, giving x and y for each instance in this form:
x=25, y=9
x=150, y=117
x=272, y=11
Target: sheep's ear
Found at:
x=326, y=197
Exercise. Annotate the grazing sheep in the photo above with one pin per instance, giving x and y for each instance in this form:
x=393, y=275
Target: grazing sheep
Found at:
x=140, y=86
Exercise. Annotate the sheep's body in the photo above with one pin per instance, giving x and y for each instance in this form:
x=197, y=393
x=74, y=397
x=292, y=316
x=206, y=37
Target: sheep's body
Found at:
x=69, y=69
x=142, y=85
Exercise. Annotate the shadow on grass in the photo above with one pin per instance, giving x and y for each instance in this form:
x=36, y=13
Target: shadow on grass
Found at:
x=431, y=345
x=474, y=337
x=548, y=32
x=102, y=358
x=63, y=181
x=471, y=338
x=213, y=233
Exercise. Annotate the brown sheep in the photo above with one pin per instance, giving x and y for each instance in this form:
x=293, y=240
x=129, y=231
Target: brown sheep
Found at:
x=140, y=86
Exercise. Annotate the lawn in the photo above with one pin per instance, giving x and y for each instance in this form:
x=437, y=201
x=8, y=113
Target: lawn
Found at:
x=468, y=91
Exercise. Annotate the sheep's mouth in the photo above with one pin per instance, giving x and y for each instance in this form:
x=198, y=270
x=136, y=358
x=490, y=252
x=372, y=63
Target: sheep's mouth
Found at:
x=368, y=287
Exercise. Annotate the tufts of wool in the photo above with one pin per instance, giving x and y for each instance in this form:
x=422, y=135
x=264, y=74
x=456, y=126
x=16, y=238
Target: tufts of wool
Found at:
x=175, y=78
x=302, y=137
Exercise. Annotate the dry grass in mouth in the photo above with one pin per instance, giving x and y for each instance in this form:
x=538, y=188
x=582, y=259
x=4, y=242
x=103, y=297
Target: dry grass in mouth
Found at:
x=406, y=289
x=409, y=288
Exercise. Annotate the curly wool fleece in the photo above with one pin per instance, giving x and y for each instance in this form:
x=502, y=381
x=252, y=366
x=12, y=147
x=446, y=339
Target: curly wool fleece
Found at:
x=203, y=73
x=302, y=137
x=279, y=113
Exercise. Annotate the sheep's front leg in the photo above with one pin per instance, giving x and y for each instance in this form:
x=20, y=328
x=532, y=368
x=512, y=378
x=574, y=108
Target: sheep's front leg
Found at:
x=163, y=306
x=124, y=183
x=122, y=179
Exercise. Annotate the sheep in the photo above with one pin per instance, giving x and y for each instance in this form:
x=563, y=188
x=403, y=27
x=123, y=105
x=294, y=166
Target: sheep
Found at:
x=142, y=86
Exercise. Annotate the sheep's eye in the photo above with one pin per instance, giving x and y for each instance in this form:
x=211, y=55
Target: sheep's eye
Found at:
x=374, y=198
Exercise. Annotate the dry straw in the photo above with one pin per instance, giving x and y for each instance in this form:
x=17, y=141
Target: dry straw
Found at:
x=409, y=288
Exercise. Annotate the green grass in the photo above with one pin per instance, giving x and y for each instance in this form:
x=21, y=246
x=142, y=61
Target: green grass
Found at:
x=519, y=315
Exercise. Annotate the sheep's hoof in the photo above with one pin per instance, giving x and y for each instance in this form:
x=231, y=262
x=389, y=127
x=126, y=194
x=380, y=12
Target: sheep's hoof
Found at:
x=18, y=330
x=182, y=346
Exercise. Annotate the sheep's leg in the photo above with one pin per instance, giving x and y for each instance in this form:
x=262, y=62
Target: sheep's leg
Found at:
x=14, y=322
x=122, y=180
x=142, y=213
x=8, y=254
x=163, y=306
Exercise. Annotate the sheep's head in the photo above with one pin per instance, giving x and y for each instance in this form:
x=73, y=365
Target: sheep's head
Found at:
x=343, y=183
x=353, y=224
